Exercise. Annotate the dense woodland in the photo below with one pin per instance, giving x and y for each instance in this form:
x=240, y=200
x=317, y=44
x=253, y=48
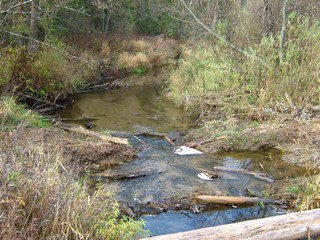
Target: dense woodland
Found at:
x=226, y=62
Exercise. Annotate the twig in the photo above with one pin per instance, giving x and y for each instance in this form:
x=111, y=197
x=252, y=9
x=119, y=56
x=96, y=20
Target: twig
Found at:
x=49, y=45
x=15, y=6
x=41, y=100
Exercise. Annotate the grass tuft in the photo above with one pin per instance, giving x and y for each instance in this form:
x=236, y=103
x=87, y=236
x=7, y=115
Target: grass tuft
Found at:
x=14, y=114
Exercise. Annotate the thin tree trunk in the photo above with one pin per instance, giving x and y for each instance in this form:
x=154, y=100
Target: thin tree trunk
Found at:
x=267, y=17
x=34, y=26
x=283, y=30
x=106, y=27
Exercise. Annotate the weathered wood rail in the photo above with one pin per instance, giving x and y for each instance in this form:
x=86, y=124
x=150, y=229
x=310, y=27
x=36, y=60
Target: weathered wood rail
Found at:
x=285, y=227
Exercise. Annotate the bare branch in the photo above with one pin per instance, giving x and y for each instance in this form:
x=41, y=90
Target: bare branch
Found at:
x=76, y=10
x=15, y=6
x=222, y=39
x=49, y=45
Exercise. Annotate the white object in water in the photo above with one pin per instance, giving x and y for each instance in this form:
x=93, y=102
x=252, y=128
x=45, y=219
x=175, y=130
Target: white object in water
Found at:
x=204, y=177
x=183, y=150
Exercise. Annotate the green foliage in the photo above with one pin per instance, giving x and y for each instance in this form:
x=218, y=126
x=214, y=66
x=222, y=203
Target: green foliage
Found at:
x=307, y=193
x=44, y=202
x=14, y=114
x=48, y=73
x=212, y=76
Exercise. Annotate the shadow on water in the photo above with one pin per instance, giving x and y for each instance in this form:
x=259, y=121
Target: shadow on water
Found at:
x=141, y=108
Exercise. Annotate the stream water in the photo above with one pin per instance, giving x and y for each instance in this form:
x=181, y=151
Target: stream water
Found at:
x=142, y=108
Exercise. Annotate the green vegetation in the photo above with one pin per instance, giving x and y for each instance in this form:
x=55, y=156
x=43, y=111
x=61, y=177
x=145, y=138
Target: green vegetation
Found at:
x=49, y=73
x=14, y=114
x=305, y=191
x=213, y=81
x=40, y=200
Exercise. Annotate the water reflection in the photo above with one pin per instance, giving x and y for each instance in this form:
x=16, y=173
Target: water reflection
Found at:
x=179, y=221
x=128, y=110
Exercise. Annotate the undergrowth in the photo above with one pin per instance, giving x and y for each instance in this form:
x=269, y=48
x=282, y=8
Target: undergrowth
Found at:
x=214, y=81
x=47, y=74
x=13, y=114
x=308, y=195
x=40, y=199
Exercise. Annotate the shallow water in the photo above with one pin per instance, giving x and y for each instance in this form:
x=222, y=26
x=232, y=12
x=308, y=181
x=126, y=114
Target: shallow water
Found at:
x=128, y=110
x=143, y=108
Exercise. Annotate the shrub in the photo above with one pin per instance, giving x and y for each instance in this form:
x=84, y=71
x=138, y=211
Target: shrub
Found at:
x=215, y=79
x=49, y=73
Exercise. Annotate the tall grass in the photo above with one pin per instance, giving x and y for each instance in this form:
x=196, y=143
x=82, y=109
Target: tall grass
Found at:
x=40, y=200
x=47, y=74
x=14, y=114
x=214, y=79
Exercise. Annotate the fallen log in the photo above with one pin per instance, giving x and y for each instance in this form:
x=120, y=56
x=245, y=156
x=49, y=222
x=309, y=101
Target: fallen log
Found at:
x=155, y=134
x=260, y=176
x=226, y=200
x=82, y=130
x=117, y=175
x=290, y=226
x=82, y=118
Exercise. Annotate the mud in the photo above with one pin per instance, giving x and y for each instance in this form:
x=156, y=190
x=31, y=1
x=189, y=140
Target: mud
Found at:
x=78, y=152
x=297, y=139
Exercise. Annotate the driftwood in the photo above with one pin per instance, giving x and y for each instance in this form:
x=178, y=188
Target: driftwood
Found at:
x=285, y=227
x=117, y=175
x=42, y=101
x=260, y=176
x=225, y=200
x=82, y=130
x=155, y=134
x=82, y=118
x=114, y=83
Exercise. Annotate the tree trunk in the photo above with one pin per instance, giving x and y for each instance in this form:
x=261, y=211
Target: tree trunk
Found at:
x=267, y=17
x=226, y=200
x=34, y=26
x=106, y=27
x=299, y=225
x=283, y=30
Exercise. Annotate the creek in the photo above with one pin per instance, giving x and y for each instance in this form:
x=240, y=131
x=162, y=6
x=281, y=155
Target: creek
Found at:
x=142, y=108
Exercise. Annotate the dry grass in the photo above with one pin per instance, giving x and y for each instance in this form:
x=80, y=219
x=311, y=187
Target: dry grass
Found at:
x=40, y=199
x=105, y=49
x=129, y=61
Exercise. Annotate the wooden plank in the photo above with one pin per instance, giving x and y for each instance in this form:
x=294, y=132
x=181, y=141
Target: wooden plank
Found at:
x=285, y=227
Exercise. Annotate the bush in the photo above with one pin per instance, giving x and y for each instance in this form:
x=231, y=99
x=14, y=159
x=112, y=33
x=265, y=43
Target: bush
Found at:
x=213, y=79
x=49, y=73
